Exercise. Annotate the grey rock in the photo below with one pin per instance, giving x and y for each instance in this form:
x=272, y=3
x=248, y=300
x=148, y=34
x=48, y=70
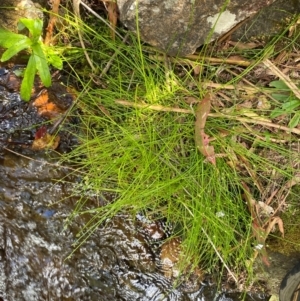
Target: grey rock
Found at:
x=12, y=10
x=179, y=27
x=269, y=21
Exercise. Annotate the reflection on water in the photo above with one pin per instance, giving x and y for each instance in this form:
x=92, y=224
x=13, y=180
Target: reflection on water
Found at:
x=117, y=261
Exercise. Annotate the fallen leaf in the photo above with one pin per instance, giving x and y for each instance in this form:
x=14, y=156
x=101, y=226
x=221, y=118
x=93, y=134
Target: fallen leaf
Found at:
x=202, y=139
x=264, y=210
x=45, y=106
x=275, y=220
x=293, y=27
x=169, y=256
x=46, y=141
x=41, y=132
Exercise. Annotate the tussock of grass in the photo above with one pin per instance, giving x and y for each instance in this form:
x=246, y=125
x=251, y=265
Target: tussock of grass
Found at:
x=149, y=160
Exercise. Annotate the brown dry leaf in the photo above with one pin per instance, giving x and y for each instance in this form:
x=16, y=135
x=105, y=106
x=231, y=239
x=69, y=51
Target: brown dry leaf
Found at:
x=197, y=69
x=236, y=58
x=47, y=141
x=294, y=181
x=112, y=11
x=263, y=209
x=52, y=22
x=201, y=139
x=190, y=100
x=293, y=27
x=275, y=220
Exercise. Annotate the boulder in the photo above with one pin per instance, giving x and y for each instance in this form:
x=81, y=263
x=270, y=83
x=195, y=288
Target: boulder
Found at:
x=179, y=27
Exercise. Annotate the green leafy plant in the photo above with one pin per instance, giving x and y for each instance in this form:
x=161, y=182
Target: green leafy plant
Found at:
x=40, y=58
x=290, y=103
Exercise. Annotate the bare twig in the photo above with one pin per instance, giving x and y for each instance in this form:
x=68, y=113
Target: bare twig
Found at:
x=214, y=60
x=99, y=17
x=190, y=59
x=256, y=89
x=76, y=5
x=109, y=63
x=282, y=76
x=248, y=89
x=219, y=115
x=152, y=107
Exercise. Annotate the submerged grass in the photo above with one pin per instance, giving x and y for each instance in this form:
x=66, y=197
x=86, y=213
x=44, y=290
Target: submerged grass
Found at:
x=148, y=158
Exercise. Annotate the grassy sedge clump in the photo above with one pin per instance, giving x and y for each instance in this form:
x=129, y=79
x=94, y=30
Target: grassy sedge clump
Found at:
x=149, y=160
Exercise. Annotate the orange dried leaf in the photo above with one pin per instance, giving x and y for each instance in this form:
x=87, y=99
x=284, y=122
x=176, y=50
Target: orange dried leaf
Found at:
x=275, y=220
x=45, y=107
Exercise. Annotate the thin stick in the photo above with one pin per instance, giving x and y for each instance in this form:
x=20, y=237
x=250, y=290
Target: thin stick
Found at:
x=282, y=76
x=219, y=255
x=161, y=108
x=262, y=138
x=152, y=107
x=76, y=5
x=99, y=17
x=109, y=63
x=214, y=60
x=231, y=87
x=52, y=22
x=198, y=58
x=253, y=86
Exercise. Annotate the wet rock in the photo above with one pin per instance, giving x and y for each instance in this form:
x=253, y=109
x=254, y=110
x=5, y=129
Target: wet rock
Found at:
x=21, y=122
x=272, y=276
x=178, y=27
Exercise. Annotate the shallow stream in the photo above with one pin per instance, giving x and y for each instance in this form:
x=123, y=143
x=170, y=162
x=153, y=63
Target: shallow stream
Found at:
x=117, y=261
